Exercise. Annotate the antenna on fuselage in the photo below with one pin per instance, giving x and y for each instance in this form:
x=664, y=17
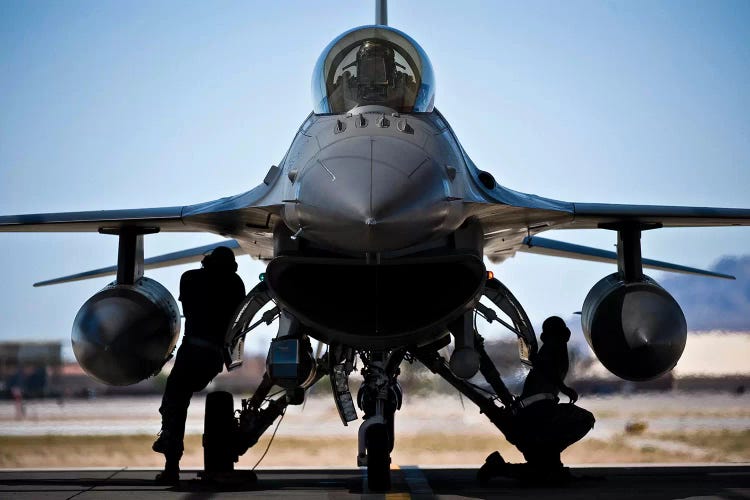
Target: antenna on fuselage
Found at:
x=381, y=12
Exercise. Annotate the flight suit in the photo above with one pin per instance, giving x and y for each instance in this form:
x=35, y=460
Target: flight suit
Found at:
x=540, y=427
x=548, y=427
x=209, y=299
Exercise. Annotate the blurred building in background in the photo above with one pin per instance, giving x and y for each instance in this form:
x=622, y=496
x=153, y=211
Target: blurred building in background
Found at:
x=715, y=360
x=30, y=369
x=712, y=361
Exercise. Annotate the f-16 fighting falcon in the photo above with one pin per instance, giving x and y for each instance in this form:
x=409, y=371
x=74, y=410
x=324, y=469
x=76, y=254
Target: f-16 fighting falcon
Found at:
x=374, y=228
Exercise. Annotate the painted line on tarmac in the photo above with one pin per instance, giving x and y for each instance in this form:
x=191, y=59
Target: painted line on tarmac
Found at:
x=363, y=471
x=397, y=495
x=97, y=485
x=397, y=483
x=416, y=481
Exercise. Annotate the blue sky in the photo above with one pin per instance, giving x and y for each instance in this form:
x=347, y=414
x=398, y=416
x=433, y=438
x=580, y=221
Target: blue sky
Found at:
x=137, y=104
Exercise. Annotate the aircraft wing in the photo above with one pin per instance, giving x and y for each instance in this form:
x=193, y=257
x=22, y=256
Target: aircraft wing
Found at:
x=248, y=218
x=592, y=215
x=235, y=216
x=545, y=246
x=165, y=219
x=509, y=218
x=170, y=259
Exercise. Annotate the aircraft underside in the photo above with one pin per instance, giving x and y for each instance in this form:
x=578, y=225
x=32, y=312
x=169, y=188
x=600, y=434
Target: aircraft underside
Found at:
x=370, y=314
x=294, y=366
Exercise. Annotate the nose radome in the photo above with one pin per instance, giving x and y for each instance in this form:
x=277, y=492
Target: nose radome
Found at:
x=404, y=179
x=371, y=194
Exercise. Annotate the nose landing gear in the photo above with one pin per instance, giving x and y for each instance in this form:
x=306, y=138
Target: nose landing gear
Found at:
x=379, y=397
x=380, y=394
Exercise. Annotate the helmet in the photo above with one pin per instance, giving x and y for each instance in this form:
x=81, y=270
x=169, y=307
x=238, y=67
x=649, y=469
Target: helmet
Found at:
x=220, y=259
x=554, y=328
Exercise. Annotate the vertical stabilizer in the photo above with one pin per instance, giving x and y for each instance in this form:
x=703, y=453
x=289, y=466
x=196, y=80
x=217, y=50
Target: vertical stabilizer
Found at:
x=381, y=12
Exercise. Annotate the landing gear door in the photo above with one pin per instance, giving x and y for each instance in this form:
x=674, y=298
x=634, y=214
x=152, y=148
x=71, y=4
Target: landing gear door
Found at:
x=244, y=321
x=524, y=351
x=233, y=354
x=504, y=300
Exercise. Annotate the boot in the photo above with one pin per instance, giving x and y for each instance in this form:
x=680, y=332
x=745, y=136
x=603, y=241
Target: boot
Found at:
x=162, y=443
x=546, y=475
x=171, y=473
x=493, y=466
x=167, y=444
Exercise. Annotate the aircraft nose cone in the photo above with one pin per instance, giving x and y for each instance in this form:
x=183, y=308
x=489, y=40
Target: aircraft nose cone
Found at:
x=371, y=194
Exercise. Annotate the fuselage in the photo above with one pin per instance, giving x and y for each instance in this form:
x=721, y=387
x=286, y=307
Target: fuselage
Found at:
x=374, y=181
x=375, y=248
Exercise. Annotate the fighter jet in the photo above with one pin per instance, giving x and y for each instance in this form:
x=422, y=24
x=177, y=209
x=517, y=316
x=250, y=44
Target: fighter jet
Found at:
x=374, y=227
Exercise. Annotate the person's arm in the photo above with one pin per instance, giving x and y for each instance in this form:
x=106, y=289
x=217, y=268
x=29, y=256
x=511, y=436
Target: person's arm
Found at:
x=182, y=287
x=239, y=291
x=562, y=370
x=551, y=369
x=569, y=392
x=187, y=288
x=554, y=377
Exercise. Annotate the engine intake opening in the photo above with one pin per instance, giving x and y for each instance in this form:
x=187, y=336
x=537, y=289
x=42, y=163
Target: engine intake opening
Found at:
x=406, y=302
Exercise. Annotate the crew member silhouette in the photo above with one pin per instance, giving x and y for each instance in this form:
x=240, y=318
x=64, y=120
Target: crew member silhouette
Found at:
x=209, y=297
x=542, y=428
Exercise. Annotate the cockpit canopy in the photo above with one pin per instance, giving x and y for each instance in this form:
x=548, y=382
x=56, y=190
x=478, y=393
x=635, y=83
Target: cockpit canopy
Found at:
x=373, y=65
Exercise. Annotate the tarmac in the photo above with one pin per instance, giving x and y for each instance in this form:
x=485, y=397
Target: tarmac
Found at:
x=730, y=482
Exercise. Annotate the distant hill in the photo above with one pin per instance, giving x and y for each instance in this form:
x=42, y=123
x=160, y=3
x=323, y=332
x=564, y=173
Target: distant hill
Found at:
x=715, y=304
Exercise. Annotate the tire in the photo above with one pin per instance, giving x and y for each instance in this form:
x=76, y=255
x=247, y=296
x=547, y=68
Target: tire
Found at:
x=378, y=458
x=218, y=433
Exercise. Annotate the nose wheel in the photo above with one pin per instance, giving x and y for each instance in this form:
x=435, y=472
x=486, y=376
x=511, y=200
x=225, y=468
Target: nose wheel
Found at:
x=379, y=397
x=378, y=458
x=219, y=434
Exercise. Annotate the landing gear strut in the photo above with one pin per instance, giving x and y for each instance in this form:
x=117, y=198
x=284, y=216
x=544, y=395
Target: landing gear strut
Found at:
x=290, y=365
x=379, y=397
x=520, y=325
x=380, y=394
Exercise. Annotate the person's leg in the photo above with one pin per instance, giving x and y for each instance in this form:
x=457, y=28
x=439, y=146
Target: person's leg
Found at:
x=494, y=466
x=193, y=370
x=574, y=423
x=175, y=402
x=171, y=472
x=541, y=445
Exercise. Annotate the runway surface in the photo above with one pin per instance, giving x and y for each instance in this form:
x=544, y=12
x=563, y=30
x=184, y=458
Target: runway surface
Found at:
x=729, y=482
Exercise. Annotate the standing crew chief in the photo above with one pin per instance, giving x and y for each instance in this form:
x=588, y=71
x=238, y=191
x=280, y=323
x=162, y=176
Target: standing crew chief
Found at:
x=209, y=297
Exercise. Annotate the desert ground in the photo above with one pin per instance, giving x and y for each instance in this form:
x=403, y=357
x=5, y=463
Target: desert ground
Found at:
x=435, y=430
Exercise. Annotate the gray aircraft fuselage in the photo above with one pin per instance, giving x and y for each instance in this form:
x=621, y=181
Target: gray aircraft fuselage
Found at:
x=376, y=186
x=374, y=180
